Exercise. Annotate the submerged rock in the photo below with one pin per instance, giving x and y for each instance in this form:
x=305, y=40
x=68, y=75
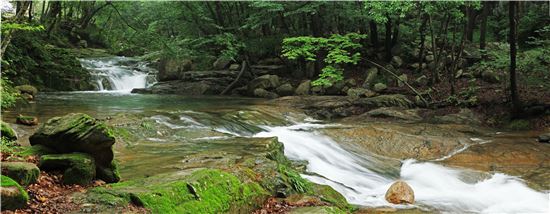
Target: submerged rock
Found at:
x=79, y=132
x=23, y=172
x=79, y=168
x=12, y=194
x=400, y=193
x=27, y=120
x=7, y=131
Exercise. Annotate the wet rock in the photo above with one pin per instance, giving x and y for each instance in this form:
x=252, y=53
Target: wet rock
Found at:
x=266, y=82
x=380, y=87
x=221, y=63
x=400, y=193
x=303, y=88
x=260, y=92
x=141, y=91
x=316, y=210
x=396, y=61
x=173, y=69
x=27, y=120
x=12, y=194
x=372, y=73
x=285, y=90
x=7, y=131
x=27, y=89
x=396, y=112
x=490, y=76
x=465, y=116
x=544, y=138
x=78, y=132
x=355, y=93
x=23, y=172
x=79, y=168
x=402, y=80
x=421, y=81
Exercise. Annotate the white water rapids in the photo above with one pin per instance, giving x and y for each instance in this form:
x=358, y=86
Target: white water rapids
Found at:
x=434, y=185
x=117, y=74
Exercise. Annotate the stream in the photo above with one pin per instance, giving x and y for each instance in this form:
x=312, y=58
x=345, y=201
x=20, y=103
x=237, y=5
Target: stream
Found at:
x=183, y=126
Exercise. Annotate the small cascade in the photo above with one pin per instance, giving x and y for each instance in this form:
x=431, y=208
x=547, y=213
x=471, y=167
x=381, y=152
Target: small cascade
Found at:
x=119, y=74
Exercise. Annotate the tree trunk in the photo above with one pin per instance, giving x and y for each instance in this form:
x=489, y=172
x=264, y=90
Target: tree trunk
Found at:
x=22, y=8
x=512, y=12
x=471, y=14
x=483, y=29
x=388, y=40
x=373, y=34
x=422, y=42
x=395, y=33
x=30, y=11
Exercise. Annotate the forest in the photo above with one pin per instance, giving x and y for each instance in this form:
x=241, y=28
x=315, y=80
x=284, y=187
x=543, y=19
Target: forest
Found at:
x=275, y=106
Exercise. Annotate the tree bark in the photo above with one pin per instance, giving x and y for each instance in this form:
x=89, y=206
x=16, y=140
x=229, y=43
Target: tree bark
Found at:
x=422, y=42
x=471, y=14
x=388, y=40
x=373, y=34
x=483, y=29
x=512, y=12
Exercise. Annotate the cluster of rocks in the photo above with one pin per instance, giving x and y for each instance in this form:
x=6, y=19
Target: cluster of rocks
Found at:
x=76, y=144
x=27, y=92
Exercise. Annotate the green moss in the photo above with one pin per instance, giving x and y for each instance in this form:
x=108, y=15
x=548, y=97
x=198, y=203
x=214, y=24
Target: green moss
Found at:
x=328, y=194
x=79, y=168
x=24, y=173
x=293, y=179
x=7, y=132
x=14, y=200
x=122, y=133
x=518, y=125
x=37, y=150
x=27, y=89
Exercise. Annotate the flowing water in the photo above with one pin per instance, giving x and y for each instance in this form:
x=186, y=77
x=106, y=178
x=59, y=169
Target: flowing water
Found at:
x=119, y=74
x=183, y=126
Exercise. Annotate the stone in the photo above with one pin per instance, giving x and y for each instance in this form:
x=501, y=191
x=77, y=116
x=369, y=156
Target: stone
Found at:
x=544, y=138
x=386, y=100
x=396, y=112
x=260, y=92
x=490, y=76
x=421, y=81
x=351, y=83
x=23, y=172
x=285, y=90
x=396, y=61
x=79, y=168
x=12, y=194
x=379, y=87
x=303, y=88
x=430, y=58
x=400, y=193
x=372, y=73
x=26, y=120
x=77, y=132
x=360, y=92
x=234, y=67
x=7, y=132
x=416, y=66
x=141, y=91
x=27, y=97
x=221, y=63
x=266, y=82
x=173, y=69
x=336, y=88
x=317, y=90
x=402, y=80
x=83, y=43
x=464, y=116
x=27, y=89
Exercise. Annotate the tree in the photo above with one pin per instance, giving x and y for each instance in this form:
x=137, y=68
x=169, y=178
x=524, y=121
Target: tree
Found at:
x=512, y=14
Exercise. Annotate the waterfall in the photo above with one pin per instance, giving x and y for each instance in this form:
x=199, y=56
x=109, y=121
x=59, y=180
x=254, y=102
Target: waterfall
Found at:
x=435, y=186
x=119, y=74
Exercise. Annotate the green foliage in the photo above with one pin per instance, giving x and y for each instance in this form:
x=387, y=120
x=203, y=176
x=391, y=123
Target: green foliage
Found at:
x=338, y=49
x=20, y=26
x=8, y=94
x=465, y=98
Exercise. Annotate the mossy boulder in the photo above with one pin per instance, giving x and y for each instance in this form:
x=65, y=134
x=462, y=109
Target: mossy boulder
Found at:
x=79, y=132
x=79, y=168
x=23, y=172
x=27, y=120
x=12, y=194
x=27, y=89
x=7, y=131
x=37, y=150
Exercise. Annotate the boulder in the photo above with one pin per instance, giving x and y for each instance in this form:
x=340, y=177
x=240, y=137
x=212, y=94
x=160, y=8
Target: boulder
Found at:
x=371, y=75
x=83, y=43
x=141, y=91
x=400, y=193
x=544, y=138
x=430, y=58
x=221, y=63
x=421, y=81
x=396, y=61
x=402, y=80
x=336, y=88
x=285, y=90
x=266, y=82
x=490, y=76
x=260, y=92
x=234, y=67
x=78, y=132
x=27, y=120
x=303, y=88
x=379, y=87
x=27, y=97
x=79, y=168
x=396, y=112
x=27, y=89
x=12, y=194
x=7, y=131
x=173, y=69
x=23, y=172
x=351, y=83
x=360, y=92
x=387, y=100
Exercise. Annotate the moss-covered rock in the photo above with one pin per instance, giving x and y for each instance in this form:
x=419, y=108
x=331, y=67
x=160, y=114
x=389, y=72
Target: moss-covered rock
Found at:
x=37, y=150
x=27, y=89
x=79, y=132
x=7, y=132
x=27, y=120
x=12, y=194
x=23, y=172
x=79, y=168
